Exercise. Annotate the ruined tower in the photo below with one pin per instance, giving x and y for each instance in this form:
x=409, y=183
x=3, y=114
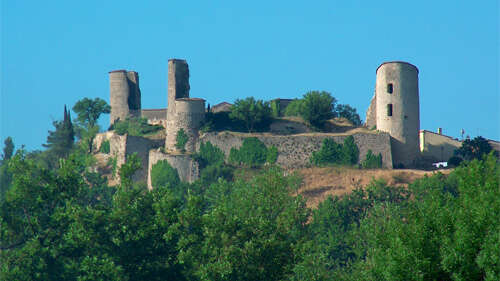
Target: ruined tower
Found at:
x=397, y=109
x=125, y=95
x=182, y=112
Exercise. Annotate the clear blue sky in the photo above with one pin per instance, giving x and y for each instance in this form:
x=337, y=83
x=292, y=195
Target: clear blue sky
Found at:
x=57, y=52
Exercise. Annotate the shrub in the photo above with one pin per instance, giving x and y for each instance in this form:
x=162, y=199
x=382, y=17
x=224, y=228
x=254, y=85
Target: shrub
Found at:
x=348, y=112
x=293, y=108
x=372, y=161
x=181, y=138
x=272, y=155
x=329, y=153
x=164, y=175
x=253, y=113
x=474, y=149
x=275, y=108
x=209, y=154
x=350, y=152
x=317, y=107
x=135, y=126
x=105, y=147
x=253, y=153
x=454, y=161
x=213, y=172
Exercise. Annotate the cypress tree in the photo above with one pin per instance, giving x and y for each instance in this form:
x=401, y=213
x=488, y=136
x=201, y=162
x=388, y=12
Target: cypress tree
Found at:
x=60, y=141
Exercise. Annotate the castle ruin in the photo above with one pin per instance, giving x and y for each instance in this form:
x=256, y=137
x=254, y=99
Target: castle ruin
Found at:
x=393, y=112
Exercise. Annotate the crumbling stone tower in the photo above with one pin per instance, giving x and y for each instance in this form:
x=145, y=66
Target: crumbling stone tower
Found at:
x=395, y=109
x=125, y=95
x=182, y=112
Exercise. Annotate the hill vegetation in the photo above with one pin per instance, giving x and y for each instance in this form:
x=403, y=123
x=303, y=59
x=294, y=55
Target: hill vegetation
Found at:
x=246, y=219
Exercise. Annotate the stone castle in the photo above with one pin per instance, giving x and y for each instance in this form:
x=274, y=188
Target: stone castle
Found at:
x=393, y=111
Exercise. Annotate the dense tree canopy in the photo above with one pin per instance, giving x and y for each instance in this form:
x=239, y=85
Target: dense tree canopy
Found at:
x=251, y=112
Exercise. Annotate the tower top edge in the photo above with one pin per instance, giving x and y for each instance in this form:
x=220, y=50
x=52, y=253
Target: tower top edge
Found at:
x=397, y=62
x=178, y=60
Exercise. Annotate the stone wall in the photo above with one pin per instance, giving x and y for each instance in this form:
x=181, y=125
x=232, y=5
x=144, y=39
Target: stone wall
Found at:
x=122, y=146
x=436, y=147
x=185, y=165
x=294, y=151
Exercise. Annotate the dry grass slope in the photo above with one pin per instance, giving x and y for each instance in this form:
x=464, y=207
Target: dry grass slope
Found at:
x=319, y=183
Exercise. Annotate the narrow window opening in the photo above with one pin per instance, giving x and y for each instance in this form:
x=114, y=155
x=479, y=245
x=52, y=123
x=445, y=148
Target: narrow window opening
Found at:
x=389, y=88
x=389, y=109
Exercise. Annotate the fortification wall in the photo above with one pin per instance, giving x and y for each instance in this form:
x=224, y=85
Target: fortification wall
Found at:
x=294, y=151
x=122, y=146
x=437, y=147
x=141, y=146
x=185, y=165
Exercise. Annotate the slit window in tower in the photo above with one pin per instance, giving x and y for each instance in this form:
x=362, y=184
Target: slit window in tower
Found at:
x=389, y=109
x=389, y=88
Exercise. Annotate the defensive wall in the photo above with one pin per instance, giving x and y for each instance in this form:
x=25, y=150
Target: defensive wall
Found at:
x=437, y=147
x=187, y=168
x=294, y=151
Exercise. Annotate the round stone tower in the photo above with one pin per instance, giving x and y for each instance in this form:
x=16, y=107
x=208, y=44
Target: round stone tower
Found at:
x=397, y=107
x=125, y=95
x=182, y=112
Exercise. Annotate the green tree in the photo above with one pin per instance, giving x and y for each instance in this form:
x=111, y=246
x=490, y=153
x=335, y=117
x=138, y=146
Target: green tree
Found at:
x=60, y=142
x=372, y=161
x=89, y=111
x=449, y=231
x=329, y=153
x=251, y=229
x=252, y=153
x=181, y=140
x=317, y=107
x=48, y=230
x=128, y=169
x=294, y=108
x=8, y=148
x=164, y=175
x=474, y=149
x=349, y=113
x=350, y=151
x=209, y=154
x=252, y=112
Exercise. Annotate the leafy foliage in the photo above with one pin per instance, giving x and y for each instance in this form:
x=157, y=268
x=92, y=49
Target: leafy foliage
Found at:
x=474, y=149
x=8, y=149
x=252, y=153
x=294, y=108
x=164, y=175
x=441, y=235
x=335, y=153
x=372, y=161
x=348, y=112
x=89, y=111
x=208, y=154
x=105, y=147
x=317, y=107
x=135, y=126
x=60, y=142
x=253, y=113
x=181, y=140
x=128, y=169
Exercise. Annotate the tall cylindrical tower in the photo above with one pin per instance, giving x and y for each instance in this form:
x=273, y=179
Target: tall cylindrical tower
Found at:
x=189, y=114
x=124, y=94
x=118, y=99
x=397, y=106
x=178, y=87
